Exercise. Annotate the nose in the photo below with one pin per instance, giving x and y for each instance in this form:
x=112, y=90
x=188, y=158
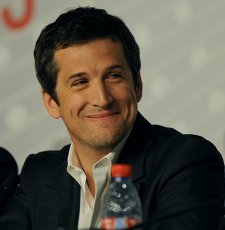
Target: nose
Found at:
x=101, y=95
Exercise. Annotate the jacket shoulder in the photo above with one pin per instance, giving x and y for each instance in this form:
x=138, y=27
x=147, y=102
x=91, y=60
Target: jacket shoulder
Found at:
x=171, y=147
x=49, y=158
x=172, y=139
x=38, y=167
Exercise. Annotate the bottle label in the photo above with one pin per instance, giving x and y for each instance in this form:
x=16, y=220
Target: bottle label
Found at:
x=119, y=222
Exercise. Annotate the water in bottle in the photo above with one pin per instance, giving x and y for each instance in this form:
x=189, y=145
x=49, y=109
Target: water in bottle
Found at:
x=122, y=207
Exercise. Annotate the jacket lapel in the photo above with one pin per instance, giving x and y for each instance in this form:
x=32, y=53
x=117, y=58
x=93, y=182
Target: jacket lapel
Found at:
x=136, y=149
x=58, y=202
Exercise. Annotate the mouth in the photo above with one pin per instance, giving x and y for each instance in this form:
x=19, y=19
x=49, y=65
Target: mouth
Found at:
x=102, y=115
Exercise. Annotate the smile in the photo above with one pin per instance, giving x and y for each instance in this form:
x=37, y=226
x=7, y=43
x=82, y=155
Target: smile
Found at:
x=103, y=115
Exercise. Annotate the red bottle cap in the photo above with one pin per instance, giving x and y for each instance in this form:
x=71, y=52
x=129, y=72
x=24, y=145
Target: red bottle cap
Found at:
x=121, y=170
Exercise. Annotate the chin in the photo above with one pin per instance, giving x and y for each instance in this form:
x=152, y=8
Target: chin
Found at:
x=109, y=141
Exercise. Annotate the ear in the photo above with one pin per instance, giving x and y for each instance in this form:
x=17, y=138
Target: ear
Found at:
x=51, y=106
x=138, y=88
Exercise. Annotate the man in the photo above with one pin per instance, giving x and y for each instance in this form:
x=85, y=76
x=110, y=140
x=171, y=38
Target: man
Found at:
x=88, y=65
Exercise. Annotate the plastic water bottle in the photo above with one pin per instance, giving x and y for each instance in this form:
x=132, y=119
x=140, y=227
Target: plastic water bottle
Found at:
x=122, y=205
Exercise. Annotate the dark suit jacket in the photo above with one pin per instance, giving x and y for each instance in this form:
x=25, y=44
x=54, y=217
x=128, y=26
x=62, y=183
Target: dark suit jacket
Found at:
x=179, y=179
x=8, y=165
x=8, y=177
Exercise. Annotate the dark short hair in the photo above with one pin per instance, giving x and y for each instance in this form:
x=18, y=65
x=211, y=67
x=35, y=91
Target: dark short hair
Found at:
x=80, y=26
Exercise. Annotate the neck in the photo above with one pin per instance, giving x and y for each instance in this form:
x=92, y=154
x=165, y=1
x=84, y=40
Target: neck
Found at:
x=88, y=158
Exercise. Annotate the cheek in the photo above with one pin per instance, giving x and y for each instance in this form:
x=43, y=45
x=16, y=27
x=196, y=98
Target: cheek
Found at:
x=126, y=94
x=72, y=105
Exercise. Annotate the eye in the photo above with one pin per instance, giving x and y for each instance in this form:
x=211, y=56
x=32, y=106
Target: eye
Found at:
x=115, y=76
x=79, y=82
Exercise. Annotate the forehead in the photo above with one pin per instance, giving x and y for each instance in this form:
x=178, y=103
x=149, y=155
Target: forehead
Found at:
x=98, y=47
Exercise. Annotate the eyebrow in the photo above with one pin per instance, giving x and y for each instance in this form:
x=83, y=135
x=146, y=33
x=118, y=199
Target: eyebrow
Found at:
x=114, y=67
x=76, y=75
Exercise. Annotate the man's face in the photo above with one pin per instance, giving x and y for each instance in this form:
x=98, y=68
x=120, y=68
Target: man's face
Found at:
x=97, y=98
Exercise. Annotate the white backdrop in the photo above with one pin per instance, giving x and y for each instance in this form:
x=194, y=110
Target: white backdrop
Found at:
x=182, y=46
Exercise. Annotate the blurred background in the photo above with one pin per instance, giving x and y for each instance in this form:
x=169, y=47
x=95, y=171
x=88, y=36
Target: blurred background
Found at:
x=182, y=45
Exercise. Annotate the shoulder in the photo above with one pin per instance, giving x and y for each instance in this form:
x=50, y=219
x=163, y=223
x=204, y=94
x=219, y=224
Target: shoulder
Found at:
x=173, y=140
x=174, y=150
x=42, y=164
x=47, y=159
x=165, y=143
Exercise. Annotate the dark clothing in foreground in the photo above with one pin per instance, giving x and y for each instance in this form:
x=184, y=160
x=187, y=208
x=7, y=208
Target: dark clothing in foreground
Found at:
x=8, y=177
x=180, y=180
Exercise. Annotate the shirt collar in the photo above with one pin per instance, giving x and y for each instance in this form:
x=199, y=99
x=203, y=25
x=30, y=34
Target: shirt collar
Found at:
x=74, y=162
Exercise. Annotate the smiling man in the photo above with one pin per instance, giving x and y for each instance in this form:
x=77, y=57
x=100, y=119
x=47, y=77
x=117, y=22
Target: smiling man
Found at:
x=96, y=99
x=88, y=65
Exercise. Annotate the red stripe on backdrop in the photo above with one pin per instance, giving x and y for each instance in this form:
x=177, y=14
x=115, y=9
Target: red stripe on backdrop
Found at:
x=17, y=23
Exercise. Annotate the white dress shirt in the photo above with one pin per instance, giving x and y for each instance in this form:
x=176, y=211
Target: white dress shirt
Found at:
x=90, y=207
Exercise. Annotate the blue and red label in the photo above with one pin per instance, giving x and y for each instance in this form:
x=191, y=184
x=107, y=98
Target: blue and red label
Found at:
x=119, y=222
